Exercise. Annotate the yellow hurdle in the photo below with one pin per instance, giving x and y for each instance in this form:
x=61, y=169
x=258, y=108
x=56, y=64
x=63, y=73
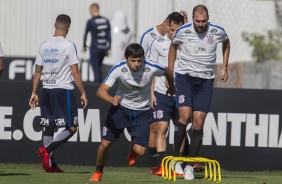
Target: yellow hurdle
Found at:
x=212, y=167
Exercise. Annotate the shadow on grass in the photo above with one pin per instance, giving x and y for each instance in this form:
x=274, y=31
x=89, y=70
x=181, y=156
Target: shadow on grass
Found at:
x=78, y=172
x=2, y=173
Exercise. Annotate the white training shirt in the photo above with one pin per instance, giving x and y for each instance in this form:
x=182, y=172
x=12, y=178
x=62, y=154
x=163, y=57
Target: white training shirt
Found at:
x=198, y=54
x=147, y=38
x=56, y=54
x=159, y=54
x=1, y=51
x=134, y=87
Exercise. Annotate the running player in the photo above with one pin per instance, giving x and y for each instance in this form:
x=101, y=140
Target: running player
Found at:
x=57, y=62
x=130, y=107
x=195, y=76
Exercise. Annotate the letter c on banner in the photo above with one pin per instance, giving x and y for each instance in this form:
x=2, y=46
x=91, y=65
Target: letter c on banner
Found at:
x=28, y=125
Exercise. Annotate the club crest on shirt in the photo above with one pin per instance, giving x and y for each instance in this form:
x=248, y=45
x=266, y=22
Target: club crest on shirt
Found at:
x=213, y=31
x=124, y=70
x=144, y=78
x=188, y=31
x=210, y=39
x=147, y=69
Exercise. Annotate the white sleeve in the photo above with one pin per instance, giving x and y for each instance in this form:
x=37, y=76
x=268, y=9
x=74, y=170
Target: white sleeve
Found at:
x=73, y=59
x=154, y=52
x=178, y=37
x=112, y=76
x=1, y=51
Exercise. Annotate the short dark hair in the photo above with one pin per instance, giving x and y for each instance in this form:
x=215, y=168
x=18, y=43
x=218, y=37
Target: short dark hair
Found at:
x=134, y=50
x=176, y=17
x=96, y=5
x=63, y=22
x=200, y=8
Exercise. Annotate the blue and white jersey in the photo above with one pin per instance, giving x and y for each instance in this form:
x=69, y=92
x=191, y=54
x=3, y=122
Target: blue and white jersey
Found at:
x=56, y=54
x=159, y=54
x=198, y=54
x=147, y=39
x=1, y=51
x=134, y=86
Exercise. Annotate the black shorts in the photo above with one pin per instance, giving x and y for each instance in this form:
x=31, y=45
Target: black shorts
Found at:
x=193, y=92
x=58, y=108
x=136, y=122
x=165, y=109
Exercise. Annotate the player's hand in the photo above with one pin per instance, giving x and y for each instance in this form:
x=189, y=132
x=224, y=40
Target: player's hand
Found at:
x=153, y=101
x=84, y=100
x=224, y=75
x=171, y=90
x=33, y=101
x=184, y=14
x=115, y=100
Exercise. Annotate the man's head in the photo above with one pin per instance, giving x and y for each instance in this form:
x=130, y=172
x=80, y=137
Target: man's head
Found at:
x=134, y=54
x=62, y=23
x=175, y=20
x=200, y=18
x=94, y=9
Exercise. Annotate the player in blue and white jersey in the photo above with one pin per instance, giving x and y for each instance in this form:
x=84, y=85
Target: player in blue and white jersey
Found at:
x=1, y=60
x=163, y=106
x=57, y=64
x=130, y=107
x=195, y=76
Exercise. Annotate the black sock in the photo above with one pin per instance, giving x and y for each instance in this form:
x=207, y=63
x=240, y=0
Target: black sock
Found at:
x=100, y=168
x=161, y=155
x=60, y=139
x=196, y=142
x=185, y=152
x=179, y=134
x=153, y=156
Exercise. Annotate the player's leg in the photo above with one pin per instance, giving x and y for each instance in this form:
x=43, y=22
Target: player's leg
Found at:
x=152, y=147
x=138, y=129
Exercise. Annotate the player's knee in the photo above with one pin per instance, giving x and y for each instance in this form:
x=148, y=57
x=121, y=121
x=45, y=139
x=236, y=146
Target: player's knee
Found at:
x=73, y=130
x=48, y=132
x=105, y=144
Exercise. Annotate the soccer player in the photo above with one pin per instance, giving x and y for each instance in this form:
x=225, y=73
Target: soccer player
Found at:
x=57, y=62
x=146, y=42
x=1, y=60
x=163, y=106
x=101, y=39
x=195, y=76
x=130, y=107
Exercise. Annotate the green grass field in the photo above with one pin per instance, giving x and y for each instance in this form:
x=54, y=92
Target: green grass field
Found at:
x=34, y=174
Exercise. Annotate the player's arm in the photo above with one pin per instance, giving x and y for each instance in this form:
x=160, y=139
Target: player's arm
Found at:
x=226, y=52
x=33, y=101
x=1, y=66
x=153, y=97
x=85, y=35
x=102, y=93
x=78, y=82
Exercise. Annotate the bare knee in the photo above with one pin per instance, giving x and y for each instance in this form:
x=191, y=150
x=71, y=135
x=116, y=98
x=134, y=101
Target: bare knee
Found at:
x=139, y=150
x=73, y=129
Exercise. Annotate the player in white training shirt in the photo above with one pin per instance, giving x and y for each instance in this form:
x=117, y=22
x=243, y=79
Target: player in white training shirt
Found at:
x=57, y=63
x=146, y=42
x=130, y=107
x=1, y=60
x=195, y=76
x=163, y=106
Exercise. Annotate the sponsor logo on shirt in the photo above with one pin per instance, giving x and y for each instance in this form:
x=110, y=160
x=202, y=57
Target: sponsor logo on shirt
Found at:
x=153, y=34
x=124, y=70
x=188, y=31
x=147, y=69
x=50, y=51
x=213, y=31
x=160, y=39
x=50, y=60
